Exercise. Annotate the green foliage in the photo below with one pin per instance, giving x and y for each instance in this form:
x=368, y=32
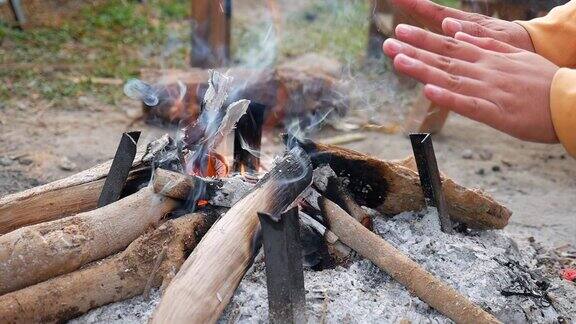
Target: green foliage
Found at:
x=449, y=3
x=105, y=39
x=116, y=38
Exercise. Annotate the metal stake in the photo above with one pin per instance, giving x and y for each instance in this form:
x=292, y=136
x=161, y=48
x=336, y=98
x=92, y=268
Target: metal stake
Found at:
x=430, y=177
x=284, y=272
x=248, y=139
x=119, y=169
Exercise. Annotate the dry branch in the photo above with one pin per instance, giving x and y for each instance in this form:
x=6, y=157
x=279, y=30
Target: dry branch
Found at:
x=207, y=280
x=392, y=188
x=39, y=252
x=75, y=194
x=122, y=276
x=423, y=284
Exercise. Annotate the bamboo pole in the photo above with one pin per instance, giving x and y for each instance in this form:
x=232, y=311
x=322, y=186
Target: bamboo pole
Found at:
x=39, y=252
x=420, y=282
x=120, y=277
x=207, y=280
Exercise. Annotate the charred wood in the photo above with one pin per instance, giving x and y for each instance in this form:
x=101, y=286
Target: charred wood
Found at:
x=215, y=268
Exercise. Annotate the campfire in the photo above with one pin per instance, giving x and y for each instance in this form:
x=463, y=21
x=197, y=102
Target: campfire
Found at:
x=180, y=215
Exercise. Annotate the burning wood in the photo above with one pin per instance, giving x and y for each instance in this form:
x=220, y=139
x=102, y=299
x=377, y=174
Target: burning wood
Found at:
x=41, y=270
x=39, y=252
x=120, y=277
x=294, y=89
x=392, y=188
x=219, y=262
x=215, y=122
x=75, y=194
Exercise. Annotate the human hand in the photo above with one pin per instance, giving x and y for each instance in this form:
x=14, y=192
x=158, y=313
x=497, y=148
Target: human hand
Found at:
x=450, y=21
x=480, y=78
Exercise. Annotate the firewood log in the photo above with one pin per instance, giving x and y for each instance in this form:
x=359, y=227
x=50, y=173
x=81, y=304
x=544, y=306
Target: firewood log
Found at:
x=119, y=277
x=75, y=194
x=207, y=280
x=304, y=85
x=420, y=282
x=392, y=188
x=39, y=252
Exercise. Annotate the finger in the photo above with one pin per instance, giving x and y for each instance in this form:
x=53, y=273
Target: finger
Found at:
x=490, y=44
x=475, y=108
x=427, y=12
x=393, y=47
x=451, y=26
x=428, y=74
x=443, y=45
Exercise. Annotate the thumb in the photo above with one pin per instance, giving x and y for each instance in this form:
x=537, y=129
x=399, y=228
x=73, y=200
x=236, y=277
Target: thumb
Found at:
x=487, y=43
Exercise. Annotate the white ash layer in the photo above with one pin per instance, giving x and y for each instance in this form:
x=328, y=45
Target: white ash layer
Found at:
x=362, y=293
x=474, y=264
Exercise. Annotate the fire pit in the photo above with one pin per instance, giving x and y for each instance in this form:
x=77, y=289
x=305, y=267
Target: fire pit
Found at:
x=188, y=222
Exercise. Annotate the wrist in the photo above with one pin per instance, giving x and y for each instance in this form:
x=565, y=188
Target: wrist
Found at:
x=525, y=41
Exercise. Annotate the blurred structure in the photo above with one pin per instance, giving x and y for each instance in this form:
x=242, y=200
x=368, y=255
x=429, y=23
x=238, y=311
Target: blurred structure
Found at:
x=39, y=12
x=211, y=25
x=511, y=9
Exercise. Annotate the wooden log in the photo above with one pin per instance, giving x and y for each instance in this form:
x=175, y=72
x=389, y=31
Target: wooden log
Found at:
x=420, y=282
x=377, y=32
x=392, y=188
x=183, y=187
x=119, y=277
x=75, y=194
x=303, y=85
x=207, y=280
x=336, y=190
x=39, y=252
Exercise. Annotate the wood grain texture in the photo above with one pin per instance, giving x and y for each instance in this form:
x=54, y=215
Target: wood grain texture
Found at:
x=74, y=194
x=391, y=187
x=39, y=252
x=207, y=280
x=119, y=277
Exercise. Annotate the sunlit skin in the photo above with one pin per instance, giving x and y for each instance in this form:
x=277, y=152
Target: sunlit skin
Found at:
x=484, y=79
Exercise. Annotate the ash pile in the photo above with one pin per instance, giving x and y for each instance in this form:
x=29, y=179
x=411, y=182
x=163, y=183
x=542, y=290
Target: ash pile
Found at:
x=487, y=266
x=173, y=233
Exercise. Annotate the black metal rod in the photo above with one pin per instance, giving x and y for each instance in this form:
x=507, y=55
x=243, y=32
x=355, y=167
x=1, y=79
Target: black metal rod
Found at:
x=284, y=271
x=248, y=139
x=119, y=169
x=430, y=177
